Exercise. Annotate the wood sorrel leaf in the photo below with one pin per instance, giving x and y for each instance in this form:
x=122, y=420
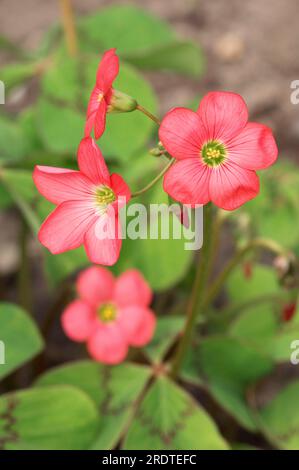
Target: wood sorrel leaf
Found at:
x=47, y=418
x=19, y=338
x=279, y=419
x=138, y=30
x=169, y=418
x=105, y=386
x=230, y=366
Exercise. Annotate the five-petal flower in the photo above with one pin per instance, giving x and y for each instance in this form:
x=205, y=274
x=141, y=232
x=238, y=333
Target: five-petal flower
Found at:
x=88, y=203
x=217, y=152
x=110, y=314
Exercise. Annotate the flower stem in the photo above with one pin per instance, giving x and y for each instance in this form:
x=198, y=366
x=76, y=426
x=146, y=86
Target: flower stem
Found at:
x=69, y=27
x=197, y=295
x=269, y=245
x=154, y=181
x=148, y=114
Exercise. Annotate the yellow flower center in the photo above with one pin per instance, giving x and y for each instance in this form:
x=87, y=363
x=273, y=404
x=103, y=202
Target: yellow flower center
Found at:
x=104, y=195
x=107, y=312
x=213, y=153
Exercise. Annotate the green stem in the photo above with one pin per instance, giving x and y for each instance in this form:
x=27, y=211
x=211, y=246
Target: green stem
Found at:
x=264, y=243
x=196, y=300
x=148, y=114
x=154, y=181
x=69, y=27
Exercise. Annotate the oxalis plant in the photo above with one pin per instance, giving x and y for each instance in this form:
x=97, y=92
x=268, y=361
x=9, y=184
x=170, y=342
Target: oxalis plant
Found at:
x=151, y=359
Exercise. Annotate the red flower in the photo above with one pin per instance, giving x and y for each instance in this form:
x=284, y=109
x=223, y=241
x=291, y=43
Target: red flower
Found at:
x=110, y=314
x=87, y=206
x=101, y=94
x=217, y=152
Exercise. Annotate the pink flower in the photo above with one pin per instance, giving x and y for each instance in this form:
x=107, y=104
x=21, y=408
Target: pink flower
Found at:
x=87, y=206
x=217, y=152
x=110, y=314
x=101, y=94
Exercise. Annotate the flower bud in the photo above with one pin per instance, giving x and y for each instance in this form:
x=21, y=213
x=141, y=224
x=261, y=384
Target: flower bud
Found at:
x=156, y=152
x=121, y=103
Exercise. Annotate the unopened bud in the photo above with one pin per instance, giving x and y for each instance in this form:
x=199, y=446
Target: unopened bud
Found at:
x=156, y=152
x=121, y=103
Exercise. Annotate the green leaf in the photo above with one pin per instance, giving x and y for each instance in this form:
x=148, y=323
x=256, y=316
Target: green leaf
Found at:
x=262, y=282
x=169, y=418
x=13, y=145
x=59, y=128
x=126, y=27
x=166, y=331
x=125, y=133
x=20, y=181
x=61, y=80
x=47, y=418
x=280, y=418
x=114, y=390
x=273, y=212
x=16, y=73
x=19, y=336
x=286, y=334
x=230, y=367
x=258, y=325
x=27, y=122
x=181, y=57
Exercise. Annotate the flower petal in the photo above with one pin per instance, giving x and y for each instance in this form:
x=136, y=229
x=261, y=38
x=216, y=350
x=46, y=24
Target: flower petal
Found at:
x=231, y=186
x=254, y=148
x=187, y=181
x=132, y=289
x=129, y=320
x=94, y=101
x=65, y=227
x=102, y=241
x=78, y=320
x=121, y=190
x=182, y=133
x=224, y=114
x=108, y=344
x=91, y=162
x=95, y=285
x=100, y=119
x=60, y=185
x=144, y=334
x=108, y=70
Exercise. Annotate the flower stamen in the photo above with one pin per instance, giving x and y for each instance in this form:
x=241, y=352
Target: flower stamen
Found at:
x=104, y=195
x=107, y=312
x=100, y=97
x=213, y=153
